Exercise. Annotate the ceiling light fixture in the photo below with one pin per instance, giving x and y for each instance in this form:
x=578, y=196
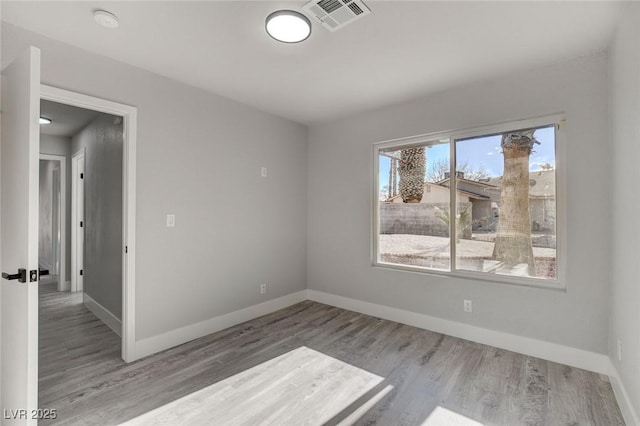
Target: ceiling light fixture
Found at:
x=45, y=120
x=106, y=19
x=288, y=26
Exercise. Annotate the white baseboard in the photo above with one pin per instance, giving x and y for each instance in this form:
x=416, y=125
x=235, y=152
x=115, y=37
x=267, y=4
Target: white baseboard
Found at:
x=574, y=357
x=64, y=286
x=103, y=313
x=538, y=348
x=185, y=334
x=624, y=401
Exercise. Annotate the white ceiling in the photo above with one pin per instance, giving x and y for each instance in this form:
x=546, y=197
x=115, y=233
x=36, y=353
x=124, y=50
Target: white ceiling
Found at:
x=66, y=120
x=402, y=51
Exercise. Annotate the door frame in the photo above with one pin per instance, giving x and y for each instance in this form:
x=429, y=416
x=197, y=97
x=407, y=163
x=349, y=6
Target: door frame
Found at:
x=129, y=115
x=62, y=277
x=74, y=220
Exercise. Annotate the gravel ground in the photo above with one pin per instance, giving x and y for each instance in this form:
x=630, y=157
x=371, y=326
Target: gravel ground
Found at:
x=427, y=246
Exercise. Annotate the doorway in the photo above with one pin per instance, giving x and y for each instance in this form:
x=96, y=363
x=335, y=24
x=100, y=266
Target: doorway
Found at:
x=95, y=138
x=52, y=236
x=124, y=118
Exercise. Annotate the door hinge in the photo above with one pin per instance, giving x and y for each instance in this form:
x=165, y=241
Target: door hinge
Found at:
x=126, y=249
x=81, y=224
x=81, y=175
x=81, y=272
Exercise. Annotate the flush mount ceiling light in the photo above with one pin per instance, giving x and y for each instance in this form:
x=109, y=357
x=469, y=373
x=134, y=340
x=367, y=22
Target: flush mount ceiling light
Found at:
x=288, y=26
x=45, y=120
x=106, y=19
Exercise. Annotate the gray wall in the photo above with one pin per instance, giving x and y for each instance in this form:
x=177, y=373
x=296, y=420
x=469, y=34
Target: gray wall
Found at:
x=625, y=297
x=47, y=200
x=199, y=157
x=340, y=233
x=102, y=141
x=61, y=145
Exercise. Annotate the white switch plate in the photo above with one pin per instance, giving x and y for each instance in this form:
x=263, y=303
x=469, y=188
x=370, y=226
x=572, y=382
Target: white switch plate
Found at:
x=263, y=288
x=171, y=220
x=263, y=171
x=468, y=306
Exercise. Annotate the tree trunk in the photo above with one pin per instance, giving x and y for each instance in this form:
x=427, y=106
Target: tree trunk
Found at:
x=412, y=171
x=513, y=237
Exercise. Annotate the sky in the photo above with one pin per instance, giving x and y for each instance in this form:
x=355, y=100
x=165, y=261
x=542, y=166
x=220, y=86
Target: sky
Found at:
x=485, y=153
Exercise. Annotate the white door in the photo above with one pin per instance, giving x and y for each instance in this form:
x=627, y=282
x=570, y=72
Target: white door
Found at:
x=81, y=226
x=55, y=221
x=19, y=164
x=77, y=220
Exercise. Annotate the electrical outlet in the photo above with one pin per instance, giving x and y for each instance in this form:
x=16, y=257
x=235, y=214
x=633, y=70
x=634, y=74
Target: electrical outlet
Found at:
x=171, y=220
x=263, y=288
x=619, y=350
x=468, y=306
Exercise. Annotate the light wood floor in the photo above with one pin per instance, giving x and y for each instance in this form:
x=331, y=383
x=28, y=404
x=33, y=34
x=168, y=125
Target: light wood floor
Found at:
x=325, y=365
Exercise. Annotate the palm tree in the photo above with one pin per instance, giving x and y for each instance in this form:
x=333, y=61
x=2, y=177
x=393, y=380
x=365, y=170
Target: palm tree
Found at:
x=412, y=169
x=513, y=236
x=463, y=220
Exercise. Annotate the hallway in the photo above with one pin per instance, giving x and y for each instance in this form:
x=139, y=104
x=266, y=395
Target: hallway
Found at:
x=75, y=347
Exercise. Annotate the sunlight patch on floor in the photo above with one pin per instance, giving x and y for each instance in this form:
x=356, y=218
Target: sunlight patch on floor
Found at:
x=302, y=386
x=440, y=416
x=362, y=409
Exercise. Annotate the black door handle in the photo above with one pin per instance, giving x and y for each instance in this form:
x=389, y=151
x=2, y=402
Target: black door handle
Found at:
x=21, y=276
x=42, y=272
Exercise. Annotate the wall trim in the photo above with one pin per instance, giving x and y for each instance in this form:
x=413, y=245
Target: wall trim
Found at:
x=103, y=314
x=130, y=124
x=574, y=357
x=65, y=285
x=152, y=345
x=624, y=401
x=554, y=352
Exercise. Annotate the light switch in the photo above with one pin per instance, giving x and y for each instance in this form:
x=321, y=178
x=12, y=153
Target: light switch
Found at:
x=264, y=172
x=171, y=220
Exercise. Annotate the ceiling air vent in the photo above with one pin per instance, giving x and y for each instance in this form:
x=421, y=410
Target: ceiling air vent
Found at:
x=335, y=14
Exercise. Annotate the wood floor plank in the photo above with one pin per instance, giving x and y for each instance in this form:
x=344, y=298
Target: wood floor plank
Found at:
x=308, y=364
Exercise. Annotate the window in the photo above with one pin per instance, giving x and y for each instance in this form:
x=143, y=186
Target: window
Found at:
x=500, y=184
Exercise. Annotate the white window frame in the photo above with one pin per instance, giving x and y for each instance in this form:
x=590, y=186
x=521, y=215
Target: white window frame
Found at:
x=558, y=119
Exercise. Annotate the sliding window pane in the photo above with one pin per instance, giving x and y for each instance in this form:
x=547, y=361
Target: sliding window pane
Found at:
x=506, y=203
x=414, y=203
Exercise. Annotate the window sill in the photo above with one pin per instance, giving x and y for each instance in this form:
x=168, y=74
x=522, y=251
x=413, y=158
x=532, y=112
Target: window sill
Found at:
x=548, y=284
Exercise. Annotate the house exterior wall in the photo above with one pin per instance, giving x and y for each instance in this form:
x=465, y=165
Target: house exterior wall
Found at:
x=482, y=214
x=543, y=213
x=536, y=209
x=435, y=194
x=492, y=193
